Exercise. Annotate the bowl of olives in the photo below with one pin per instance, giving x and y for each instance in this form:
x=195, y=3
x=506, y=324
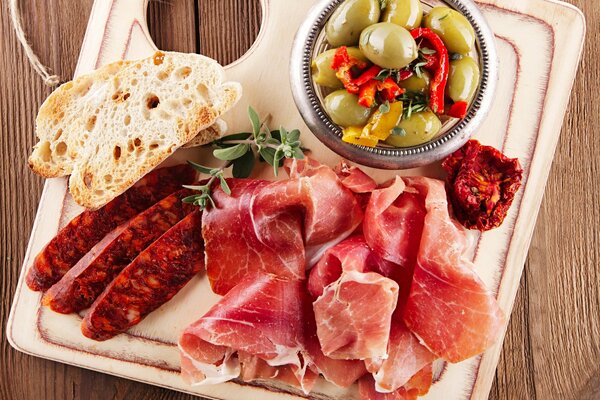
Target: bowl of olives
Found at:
x=394, y=84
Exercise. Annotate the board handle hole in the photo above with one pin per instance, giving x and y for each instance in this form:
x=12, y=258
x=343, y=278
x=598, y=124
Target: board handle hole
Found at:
x=221, y=29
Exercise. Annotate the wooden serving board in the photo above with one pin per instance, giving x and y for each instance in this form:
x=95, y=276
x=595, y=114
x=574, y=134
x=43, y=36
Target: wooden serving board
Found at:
x=539, y=44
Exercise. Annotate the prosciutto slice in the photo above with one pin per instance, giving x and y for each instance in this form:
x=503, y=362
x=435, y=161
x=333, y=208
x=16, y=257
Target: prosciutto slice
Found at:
x=418, y=385
x=347, y=284
x=263, y=316
x=277, y=227
x=349, y=327
x=233, y=247
x=393, y=223
x=449, y=308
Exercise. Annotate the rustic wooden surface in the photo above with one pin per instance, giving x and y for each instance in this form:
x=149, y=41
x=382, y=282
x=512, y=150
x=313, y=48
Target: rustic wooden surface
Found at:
x=552, y=348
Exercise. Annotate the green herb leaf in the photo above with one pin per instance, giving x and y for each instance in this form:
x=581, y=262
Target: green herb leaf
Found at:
x=224, y=185
x=254, y=120
x=456, y=56
x=397, y=131
x=243, y=166
x=268, y=154
x=298, y=153
x=382, y=4
x=235, y=136
x=383, y=74
x=384, y=108
x=231, y=153
x=200, y=168
x=293, y=136
x=427, y=50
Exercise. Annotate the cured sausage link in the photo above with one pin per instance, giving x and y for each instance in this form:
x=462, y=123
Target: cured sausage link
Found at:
x=78, y=289
x=152, y=279
x=89, y=227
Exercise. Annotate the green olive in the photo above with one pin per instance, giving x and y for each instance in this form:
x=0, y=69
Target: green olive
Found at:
x=420, y=128
x=418, y=84
x=388, y=45
x=321, y=67
x=349, y=19
x=463, y=79
x=344, y=110
x=454, y=29
x=406, y=13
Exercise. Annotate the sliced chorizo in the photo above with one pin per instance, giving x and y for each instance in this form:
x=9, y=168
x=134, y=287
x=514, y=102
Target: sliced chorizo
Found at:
x=83, y=283
x=152, y=279
x=88, y=228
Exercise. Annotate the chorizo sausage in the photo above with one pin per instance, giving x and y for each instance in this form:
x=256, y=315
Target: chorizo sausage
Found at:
x=83, y=283
x=88, y=228
x=152, y=279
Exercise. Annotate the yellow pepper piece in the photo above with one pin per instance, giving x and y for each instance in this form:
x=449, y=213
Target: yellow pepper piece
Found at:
x=381, y=124
x=354, y=135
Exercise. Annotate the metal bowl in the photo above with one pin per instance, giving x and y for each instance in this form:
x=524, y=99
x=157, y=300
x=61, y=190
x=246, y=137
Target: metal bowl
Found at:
x=310, y=41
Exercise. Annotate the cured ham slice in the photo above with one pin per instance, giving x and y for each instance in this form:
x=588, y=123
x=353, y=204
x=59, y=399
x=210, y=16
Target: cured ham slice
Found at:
x=418, y=385
x=256, y=369
x=449, y=308
x=347, y=283
x=276, y=227
x=394, y=223
x=406, y=357
x=330, y=211
x=348, y=325
x=262, y=316
x=353, y=254
x=355, y=179
x=233, y=248
x=342, y=373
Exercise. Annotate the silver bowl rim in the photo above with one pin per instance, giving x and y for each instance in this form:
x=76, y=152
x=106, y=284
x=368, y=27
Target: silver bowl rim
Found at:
x=328, y=133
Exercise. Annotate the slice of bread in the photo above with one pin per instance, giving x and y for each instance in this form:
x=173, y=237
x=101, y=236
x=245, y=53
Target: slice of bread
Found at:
x=208, y=135
x=110, y=128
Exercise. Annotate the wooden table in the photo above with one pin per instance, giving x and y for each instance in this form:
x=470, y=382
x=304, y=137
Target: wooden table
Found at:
x=552, y=348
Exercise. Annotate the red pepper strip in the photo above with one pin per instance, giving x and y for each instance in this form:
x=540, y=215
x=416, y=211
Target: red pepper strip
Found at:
x=458, y=109
x=389, y=89
x=343, y=63
x=405, y=74
x=366, y=76
x=437, y=87
x=366, y=96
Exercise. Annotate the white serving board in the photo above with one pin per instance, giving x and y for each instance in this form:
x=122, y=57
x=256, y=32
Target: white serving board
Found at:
x=539, y=44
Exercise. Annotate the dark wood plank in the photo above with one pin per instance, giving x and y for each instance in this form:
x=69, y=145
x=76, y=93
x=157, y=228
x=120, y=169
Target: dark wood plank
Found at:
x=227, y=28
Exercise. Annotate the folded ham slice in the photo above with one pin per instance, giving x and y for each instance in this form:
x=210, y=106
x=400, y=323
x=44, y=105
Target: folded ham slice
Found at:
x=394, y=223
x=418, y=385
x=276, y=227
x=233, y=247
x=449, y=308
x=354, y=316
x=263, y=316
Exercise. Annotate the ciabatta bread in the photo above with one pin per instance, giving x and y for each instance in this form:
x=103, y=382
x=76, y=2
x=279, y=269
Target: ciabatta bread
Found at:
x=109, y=128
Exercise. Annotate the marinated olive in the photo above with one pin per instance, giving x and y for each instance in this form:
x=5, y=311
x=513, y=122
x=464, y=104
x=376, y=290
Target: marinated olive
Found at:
x=454, y=29
x=388, y=45
x=406, y=13
x=420, y=128
x=418, y=84
x=349, y=19
x=344, y=110
x=321, y=67
x=463, y=79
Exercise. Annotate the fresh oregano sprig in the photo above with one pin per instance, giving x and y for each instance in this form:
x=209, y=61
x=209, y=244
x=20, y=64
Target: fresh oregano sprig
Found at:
x=240, y=151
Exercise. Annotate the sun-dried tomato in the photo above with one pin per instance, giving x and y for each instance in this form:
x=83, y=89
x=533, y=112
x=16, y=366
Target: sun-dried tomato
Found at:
x=482, y=183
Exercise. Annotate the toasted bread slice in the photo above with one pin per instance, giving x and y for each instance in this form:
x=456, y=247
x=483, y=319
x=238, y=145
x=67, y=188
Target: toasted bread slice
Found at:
x=208, y=135
x=110, y=128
